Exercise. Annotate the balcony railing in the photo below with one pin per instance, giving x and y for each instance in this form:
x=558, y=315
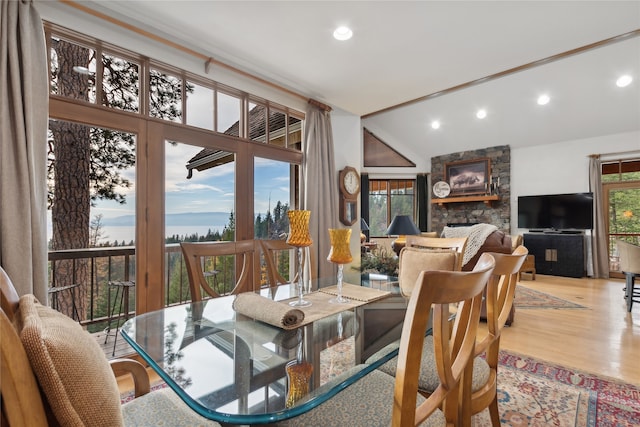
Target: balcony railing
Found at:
x=614, y=258
x=93, y=268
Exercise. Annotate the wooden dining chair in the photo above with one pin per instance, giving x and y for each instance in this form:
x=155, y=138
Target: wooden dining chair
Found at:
x=379, y=399
x=198, y=255
x=55, y=373
x=8, y=295
x=481, y=378
x=272, y=251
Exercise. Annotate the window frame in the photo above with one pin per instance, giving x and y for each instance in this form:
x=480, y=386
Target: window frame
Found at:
x=151, y=135
x=390, y=184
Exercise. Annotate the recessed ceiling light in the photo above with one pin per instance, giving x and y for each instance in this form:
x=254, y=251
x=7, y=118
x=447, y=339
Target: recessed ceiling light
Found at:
x=543, y=99
x=342, y=33
x=624, y=80
x=435, y=124
x=481, y=114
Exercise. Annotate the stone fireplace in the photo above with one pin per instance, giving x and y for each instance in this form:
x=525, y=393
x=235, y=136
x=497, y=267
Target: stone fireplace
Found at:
x=496, y=212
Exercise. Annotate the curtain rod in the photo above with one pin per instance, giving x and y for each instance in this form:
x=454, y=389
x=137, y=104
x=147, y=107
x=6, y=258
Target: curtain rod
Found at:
x=618, y=153
x=208, y=60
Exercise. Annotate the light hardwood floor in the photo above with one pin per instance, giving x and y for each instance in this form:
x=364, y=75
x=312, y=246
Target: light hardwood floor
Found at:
x=602, y=339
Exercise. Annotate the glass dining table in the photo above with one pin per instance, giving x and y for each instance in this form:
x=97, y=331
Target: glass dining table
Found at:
x=234, y=369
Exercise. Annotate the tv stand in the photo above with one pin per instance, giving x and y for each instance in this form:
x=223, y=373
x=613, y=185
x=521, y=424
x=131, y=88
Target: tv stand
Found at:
x=557, y=253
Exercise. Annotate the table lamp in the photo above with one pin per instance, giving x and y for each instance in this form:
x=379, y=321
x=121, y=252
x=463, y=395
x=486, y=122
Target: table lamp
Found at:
x=363, y=227
x=299, y=237
x=340, y=254
x=401, y=226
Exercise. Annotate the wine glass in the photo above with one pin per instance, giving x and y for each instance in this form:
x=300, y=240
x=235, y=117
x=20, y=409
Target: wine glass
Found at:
x=340, y=254
x=299, y=237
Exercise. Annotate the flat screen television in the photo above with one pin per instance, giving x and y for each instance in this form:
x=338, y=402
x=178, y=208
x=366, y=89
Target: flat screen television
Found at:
x=556, y=211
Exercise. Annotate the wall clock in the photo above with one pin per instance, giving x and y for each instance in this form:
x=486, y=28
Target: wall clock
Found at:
x=349, y=181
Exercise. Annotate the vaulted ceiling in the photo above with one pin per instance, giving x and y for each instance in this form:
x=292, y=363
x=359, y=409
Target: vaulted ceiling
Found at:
x=403, y=51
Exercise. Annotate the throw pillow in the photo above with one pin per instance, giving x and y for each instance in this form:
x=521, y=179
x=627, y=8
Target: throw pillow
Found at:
x=414, y=260
x=70, y=366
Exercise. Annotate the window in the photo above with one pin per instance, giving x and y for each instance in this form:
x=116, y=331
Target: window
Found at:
x=621, y=190
x=199, y=164
x=388, y=198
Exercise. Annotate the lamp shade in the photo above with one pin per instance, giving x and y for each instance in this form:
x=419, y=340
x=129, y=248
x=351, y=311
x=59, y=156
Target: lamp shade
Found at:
x=363, y=225
x=402, y=225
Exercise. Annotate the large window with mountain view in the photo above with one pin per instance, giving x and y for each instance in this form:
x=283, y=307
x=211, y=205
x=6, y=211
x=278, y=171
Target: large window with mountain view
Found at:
x=144, y=155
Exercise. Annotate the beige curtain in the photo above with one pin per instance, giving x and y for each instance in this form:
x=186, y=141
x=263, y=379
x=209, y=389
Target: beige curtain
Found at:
x=320, y=187
x=24, y=105
x=599, y=244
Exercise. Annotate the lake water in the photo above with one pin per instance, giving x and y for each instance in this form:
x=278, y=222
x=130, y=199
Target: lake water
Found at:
x=127, y=233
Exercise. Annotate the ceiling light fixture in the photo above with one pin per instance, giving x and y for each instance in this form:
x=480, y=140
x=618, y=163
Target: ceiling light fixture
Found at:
x=481, y=114
x=435, y=124
x=543, y=99
x=342, y=33
x=624, y=81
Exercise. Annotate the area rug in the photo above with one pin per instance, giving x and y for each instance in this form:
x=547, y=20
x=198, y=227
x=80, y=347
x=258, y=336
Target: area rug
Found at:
x=535, y=393
x=530, y=298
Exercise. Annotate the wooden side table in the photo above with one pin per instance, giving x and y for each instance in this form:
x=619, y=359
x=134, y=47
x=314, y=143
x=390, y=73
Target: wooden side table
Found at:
x=529, y=266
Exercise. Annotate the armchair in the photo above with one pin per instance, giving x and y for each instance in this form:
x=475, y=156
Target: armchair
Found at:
x=55, y=373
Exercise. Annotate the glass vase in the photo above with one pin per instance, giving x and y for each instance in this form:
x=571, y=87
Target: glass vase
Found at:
x=340, y=254
x=300, y=237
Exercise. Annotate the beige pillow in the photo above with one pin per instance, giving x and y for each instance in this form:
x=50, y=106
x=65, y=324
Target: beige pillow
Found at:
x=414, y=260
x=70, y=366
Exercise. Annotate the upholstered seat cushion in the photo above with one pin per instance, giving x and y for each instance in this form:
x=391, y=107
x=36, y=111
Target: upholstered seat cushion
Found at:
x=429, y=379
x=162, y=408
x=367, y=402
x=415, y=260
x=70, y=366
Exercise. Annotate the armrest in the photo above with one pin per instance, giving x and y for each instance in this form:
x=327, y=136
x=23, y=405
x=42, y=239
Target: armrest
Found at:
x=136, y=370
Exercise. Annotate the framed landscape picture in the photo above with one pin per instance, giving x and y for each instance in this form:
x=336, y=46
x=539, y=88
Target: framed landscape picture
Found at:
x=469, y=176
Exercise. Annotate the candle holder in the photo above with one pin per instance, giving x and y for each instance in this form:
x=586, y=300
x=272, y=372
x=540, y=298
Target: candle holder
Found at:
x=299, y=237
x=299, y=373
x=340, y=254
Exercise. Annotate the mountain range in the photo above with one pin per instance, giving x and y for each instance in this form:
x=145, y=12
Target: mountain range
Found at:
x=214, y=219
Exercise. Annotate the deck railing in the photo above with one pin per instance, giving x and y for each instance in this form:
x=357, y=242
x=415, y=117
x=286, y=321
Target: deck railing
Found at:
x=614, y=258
x=93, y=268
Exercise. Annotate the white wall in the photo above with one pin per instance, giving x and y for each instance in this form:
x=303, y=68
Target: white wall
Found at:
x=561, y=167
x=347, y=144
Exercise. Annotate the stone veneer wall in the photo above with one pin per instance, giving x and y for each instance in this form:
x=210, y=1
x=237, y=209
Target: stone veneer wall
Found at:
x=498, y=213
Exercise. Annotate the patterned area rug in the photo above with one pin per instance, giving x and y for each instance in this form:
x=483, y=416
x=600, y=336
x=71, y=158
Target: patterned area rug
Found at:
x=535, y=393
x=530, y=298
